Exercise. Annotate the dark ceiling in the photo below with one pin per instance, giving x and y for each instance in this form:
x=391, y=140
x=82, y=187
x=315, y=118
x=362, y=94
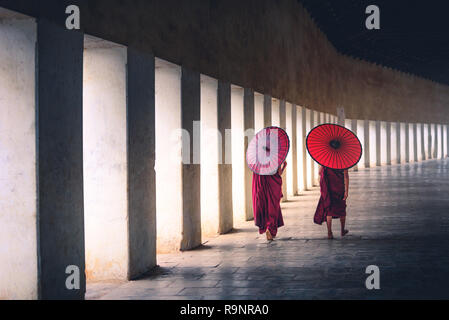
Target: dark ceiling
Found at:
x=414, y=35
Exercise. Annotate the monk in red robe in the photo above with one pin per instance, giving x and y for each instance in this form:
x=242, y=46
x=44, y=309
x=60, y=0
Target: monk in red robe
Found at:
x=334, y=185
x=267, y=195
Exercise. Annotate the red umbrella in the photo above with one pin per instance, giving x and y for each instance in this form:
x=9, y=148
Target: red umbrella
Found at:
x=267, y=151
x=334, y=146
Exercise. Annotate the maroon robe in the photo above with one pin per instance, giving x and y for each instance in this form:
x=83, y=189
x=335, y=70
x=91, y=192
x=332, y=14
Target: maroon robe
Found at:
x=267, y=194
x=332, y=185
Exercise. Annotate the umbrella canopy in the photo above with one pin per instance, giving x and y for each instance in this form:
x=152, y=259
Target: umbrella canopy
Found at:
x=334, y=146
x=267, y=151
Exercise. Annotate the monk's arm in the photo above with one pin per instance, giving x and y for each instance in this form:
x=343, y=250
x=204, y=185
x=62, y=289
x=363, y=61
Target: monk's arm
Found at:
x=346, y=174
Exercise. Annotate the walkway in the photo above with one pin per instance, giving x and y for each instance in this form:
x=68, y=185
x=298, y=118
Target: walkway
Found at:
x=398, y=219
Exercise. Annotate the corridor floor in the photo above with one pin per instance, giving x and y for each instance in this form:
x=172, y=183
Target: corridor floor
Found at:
x=398, y=217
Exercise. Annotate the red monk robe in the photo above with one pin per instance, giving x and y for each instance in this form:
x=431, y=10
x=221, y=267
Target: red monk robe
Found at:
x=331, y=202
x=267, y=194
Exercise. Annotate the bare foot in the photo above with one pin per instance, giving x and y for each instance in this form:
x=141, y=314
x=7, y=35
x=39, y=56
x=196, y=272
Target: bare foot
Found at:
x=330, y=236
x=269, y=236
x=344, y=232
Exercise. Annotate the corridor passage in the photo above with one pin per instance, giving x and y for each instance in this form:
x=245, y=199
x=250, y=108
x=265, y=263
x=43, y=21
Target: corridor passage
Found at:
x=398, y=217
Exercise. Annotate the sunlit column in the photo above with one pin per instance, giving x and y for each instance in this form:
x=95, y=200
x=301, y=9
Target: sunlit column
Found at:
x=361, y=136
x=225, y=206
x=414, y=137
x=403, y=145
x=18, y=158
x=446, y=141
x=238, y=153
x=419, y=141
x=384, y=144
x=440, y=141
x=408, y=150
x=301, y=148
x=353, y=128
x=367, y=144
x=210, y=144
x=191, y=158
x=378, y=143
x=275, y=113
x=394, y=142
x=249, y=125
x=292, y=158
x=309, y=162
x=427, y=141
x=372, y=143
x=316, y=166
x=259, y=117
x=141, y=174
x=267, y=111
x=283, y=125
x=105, y=160
x=169, y=201
x=432, y=141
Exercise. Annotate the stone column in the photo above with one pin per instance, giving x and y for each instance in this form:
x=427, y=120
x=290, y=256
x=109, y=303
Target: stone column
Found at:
x=415, y=142
x=191, y=158
x=225, y=206
x=238, y=153
x=401, y=143
x=353, y=128
x=141, y=156
x=315, y=121
x=367, y=137
x=394, y=143
x=440, y=141
x=309, y=161
x=259, y=113
x=430, y=141
x=435, y=141
x=249, y=123
x=267, y=111
x=105, y=160
x=379, y=144
x=423, y=142
x=18, y=158
x=302, y=152
x=210, y=144
x=275, y=113
x=60, y=159
x=388, y=143
x=168, y=165
x=283, y=125
x=361, y=136
x=446, y=141
x=408, y=151
x=294, y=149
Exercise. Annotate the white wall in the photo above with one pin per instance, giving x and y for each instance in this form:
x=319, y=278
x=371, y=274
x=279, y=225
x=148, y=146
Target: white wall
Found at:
x=105, y=160
x=209, y=157
x=168, y=156
x=238, y=154
x=18, y=238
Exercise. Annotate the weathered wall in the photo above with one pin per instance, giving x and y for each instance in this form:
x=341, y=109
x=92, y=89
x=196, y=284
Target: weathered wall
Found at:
x=271, y=46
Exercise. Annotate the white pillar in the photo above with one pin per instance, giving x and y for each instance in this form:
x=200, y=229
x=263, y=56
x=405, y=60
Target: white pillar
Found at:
x=316, y=166
x=403, y=142
x=248, y=119
x=411, y=142
x=210, y=144
x=309, y=165
x=301, y=148
x=238, y=154
x=353, y=128
x=384, y=144
x=275, y=112
x=419, y=142
x=290, y=122
x=427, y=138
x=394, y=142
x=432, y=141
x=283, y=125
x=372, y=143
x=18, y=159
x=440, y=141
x=361, y=136
x=415, y=141
x=168, y=164
x=105, y=160
x=259, y=112
x=445, y=141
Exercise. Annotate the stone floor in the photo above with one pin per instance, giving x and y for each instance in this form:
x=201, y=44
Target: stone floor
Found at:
x=398, y=219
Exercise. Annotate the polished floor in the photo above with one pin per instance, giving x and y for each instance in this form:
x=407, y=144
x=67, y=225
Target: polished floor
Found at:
x=398, y=217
